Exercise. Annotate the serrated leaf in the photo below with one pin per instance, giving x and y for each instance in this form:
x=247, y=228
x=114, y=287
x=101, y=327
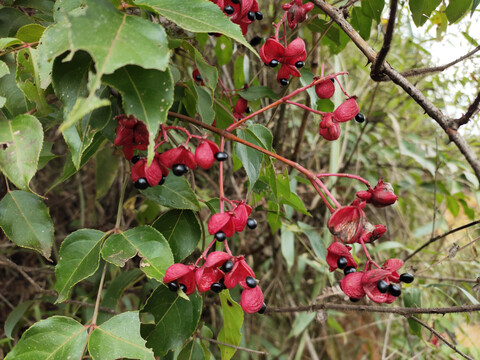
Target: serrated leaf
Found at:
x=20, y=145
x=25, y=220
x=182, y=231
x=79, y=258
x=197, y=16
x=55, y=338
x=145, y=241
x=15, y=316
x=456, y=9
x=147, y=94
x=192, y=351
x=30, y=33
x=232, y=325
x=175, y=193
x=175, y=319
x=119, y=337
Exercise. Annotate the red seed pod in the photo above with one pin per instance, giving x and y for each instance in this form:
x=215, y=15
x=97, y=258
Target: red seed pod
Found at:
x=183, y=274
x=221, y=222
x=347, y=223
x=325, y=89
x=329, y=129
x=337, y=250
x=206, y=276
x=251, y=300
x=179, y=155
x=383, y=195
x=346, y=111
x=351, y=285
x=204, y=154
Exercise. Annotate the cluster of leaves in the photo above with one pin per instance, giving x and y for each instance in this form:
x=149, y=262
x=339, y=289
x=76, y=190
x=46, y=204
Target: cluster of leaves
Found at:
x=69, y=66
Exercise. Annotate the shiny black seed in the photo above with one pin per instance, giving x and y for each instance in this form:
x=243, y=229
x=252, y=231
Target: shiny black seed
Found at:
x=248, y=110
x=332, y=80
x=256, y=41
x=407, y=278
x=184, y=288
x=227, y=266
x=354, y=300
x=299, y=64
x=220, y=236
x=284, y=82
x=198, y=77
x=222, y=282
x=251, y=282
x=382, y=286
x=141, y=184
x=212, y=34
x=135, y=159
x=252, y=223
x=394, y=290
x=173, y=286
x=216, y=287
x=258, y=15
x=179, y=169
x=162, y=181
x=360, y=118
x=221, y=156
x=342, y=263
x=273, y=63
x=349, y=270
x=229, y=10
x=251, y=16
x=262, y=310
x=235, y=1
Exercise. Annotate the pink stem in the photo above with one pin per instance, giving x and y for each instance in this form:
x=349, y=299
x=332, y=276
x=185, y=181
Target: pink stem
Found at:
x=306, y=108
x=369, y=258
x=327, y=192
x=350, y=176
x=227, y=248
x=341, y=88
x=204, y=254
x=220, y=177
x=322, y=196
x=225, y=91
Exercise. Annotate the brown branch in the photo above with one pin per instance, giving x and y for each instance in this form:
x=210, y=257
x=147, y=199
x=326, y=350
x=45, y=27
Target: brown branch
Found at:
x=437, y=334
x=27, y=277
x=447, y=278
x=405, y=311
x=436, y=238
x=434, y=112
x=474, y=107
x=232, y=346
x=387, y=41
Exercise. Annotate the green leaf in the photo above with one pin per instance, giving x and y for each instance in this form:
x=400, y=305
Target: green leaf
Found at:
x=255, y=93
x=315, y=240
x=204, y=105
x=145, y=241
x=301, y=322
x=106, y=168
x=208, y=72
x=25, y=220
x=112, y=39
x=412, y=298
x=9, y=41
x=192, y=351
x=175, y=193
x=15, y=316
x=4, y=70
x=182, y=231
x=78, y=259
x=119, y=337
x=55, y=338
x=422, y=9
x=232, y=325
x=474, y=6
x=147, y=94
x=361, y=22
x=197, y=16
x=373, y=8
x=11, y=20
x=452, y=205
x=456, y=9
x=288, y=246
x=45, y=155
x=21, y=142
x=15, y=103
x=223, y=50
x=30, y=33
x=175, y=319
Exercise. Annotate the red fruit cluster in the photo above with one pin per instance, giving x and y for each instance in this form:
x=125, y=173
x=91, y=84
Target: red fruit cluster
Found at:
x=241, y=12
x=329, y=126
x=297, y=13
x=291, y=57
x=220, y=271
x=230, y=221
x=131, y=135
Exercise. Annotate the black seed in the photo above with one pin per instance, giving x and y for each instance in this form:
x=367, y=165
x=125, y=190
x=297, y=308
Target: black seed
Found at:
x=273, y=63
x=251, y=282
x=235, y=1
x=248, y=110
x=221, y=156
x=179, y=169
x=227, y=266
x=216, y=287
x=394, y=290
x=251, y=16
x=284, y=82
x=135, y=159
x=299, y=64
x=332, y=80
x=229, y=10
x=382, y=286
x=198, y=77
x=222, y=282
x=354, y=300
x=173, y=286
x=349, y=270
x=162, y=181
x=220, y=236
x=407, y=278
x=360, y=118
x=184, y=288
x=258, y=15
x=262, y=310
x=342, y=263
x=256, y=41
x=141, y=184
x=212, y=34
x=252, y=223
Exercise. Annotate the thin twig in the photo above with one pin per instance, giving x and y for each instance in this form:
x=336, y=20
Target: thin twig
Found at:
x=232, y=346
x=99, y=296
x=387, y=41
x=437, y=334
x=446, y=278
x=27, y=277
x=436, y=238
x=470, y=112
x=84, y=304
